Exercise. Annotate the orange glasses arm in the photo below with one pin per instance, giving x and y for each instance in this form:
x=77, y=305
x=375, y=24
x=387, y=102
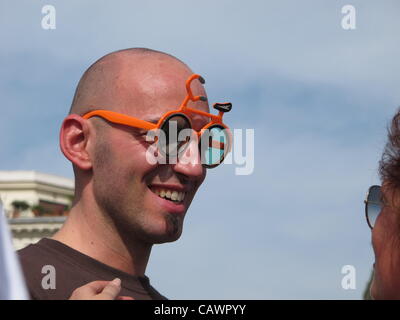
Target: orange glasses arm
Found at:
x=119, y=118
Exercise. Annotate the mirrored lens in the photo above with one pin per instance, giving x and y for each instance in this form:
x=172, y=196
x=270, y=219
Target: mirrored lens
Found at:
x=214, y=146
x=374, y=204
x=373, y=211
x=170, y=146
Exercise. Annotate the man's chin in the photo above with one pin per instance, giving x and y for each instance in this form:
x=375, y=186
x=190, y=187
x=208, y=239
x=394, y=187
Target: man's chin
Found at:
x=169, y=232
x=164, y=238
x=164, y=228
x=161, y=241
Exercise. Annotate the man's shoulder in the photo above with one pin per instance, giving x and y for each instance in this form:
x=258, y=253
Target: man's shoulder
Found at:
x=32, y=250
x=37, y=255
x=31, y=258
x=46, y=270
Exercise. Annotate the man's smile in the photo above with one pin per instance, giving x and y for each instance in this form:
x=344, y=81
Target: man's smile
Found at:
x=171, y=197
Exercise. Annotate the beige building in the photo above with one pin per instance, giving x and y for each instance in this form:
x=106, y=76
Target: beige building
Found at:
x=35, y=204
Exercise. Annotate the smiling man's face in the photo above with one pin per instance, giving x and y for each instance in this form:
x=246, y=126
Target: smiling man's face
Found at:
x=129, y=189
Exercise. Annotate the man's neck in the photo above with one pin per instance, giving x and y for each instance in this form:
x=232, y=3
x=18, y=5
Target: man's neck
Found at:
x=91, y=234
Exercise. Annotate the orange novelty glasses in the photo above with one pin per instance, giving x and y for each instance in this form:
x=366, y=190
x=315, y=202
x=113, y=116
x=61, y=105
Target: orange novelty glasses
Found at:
x=214, y=138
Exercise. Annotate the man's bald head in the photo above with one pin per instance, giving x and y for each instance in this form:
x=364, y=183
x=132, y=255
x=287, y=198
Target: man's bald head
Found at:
x=138, y=82
x=122, y=78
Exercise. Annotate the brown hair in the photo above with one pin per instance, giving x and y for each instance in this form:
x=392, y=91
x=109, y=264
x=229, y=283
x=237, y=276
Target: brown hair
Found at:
x=389, y=165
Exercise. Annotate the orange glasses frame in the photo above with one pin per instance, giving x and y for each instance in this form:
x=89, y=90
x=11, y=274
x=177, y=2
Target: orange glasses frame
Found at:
x=216, y=120
x=120, y=118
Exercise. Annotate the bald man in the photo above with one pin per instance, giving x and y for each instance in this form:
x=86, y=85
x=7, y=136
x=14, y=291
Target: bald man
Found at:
x=116, y=216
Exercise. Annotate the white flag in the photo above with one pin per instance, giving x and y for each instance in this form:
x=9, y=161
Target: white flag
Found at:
x=12, y=283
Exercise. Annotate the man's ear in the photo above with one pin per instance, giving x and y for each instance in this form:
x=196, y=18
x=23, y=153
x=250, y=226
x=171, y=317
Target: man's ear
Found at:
x=74, y=137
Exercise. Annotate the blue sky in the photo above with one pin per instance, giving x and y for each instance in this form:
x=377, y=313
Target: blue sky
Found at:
x=318, y=97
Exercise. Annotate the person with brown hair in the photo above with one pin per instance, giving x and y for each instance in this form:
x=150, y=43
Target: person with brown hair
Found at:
x=383, y=217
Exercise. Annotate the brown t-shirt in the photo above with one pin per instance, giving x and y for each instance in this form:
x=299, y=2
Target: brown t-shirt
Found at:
x=73, y=269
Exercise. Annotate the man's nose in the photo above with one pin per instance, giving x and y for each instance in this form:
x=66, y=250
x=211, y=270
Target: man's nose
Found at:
x=189, y=162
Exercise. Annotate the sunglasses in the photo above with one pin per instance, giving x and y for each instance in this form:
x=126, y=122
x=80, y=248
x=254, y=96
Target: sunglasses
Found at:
x=214, y=138
x=373, y=205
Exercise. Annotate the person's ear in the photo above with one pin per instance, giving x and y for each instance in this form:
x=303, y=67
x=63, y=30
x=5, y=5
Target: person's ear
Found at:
x=74, y=139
